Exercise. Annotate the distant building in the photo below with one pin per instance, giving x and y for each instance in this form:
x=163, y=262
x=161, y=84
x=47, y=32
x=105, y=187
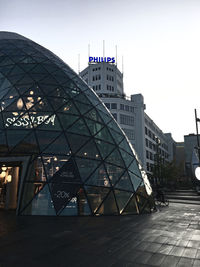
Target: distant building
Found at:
x=145, y=136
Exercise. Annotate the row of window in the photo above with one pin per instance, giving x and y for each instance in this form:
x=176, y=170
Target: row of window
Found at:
x=96, y=77
x=152, y=136
x=109, y=69
x=111, y=105
x=110, y=78
x=151, y=156
x=95, y=69
x=96, y=87
x=126, y=108
x=126, y=120
x=110, y=88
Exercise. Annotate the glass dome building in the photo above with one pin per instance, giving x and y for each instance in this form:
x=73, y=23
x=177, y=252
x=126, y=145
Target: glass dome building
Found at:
x=61, y=151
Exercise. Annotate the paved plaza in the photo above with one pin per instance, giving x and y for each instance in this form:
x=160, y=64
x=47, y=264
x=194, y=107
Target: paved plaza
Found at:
x=169, y=237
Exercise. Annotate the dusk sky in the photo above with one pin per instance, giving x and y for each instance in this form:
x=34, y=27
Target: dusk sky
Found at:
x=158, y=39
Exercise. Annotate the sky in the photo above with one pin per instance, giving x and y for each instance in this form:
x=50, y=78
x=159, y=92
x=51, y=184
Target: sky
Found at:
x=159, y=41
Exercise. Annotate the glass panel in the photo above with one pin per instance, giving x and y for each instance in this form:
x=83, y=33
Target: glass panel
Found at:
x=59, y=146
x=122, y=199
x=79, y=127
x=124, y=144
x=36, y=173
x=28, y=145
x=83, y=99
x=3, y=143
x=93, y=115
x=83, y=108
x=124, y=183
x=99, y=177
x=117, y=136
x=16, y=70
x=94, y=127
x=86, y=167
x=126, y=157
x=15, y=137
x=114, y=172
x=135, y=169
x=109, y=206
x=71, y=209
x=88, y=151
x=26, y=79
x=68, y=108
x=136, y=181
x=84, y=208
x=96, y=195
x=67, y=120
x=76, y=141
x=45, y=138
x=115, y=158
x=41, y=204
x=105, y=117
x=104, y=135
x=104, y=148
x=131, y=208
x=141, y=201
x=113, y=125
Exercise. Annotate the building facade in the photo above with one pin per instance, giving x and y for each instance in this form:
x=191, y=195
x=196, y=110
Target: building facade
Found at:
x=145, y=136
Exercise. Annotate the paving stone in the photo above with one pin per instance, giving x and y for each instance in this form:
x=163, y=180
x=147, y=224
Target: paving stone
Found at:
x=185, y=262
x=189, y=252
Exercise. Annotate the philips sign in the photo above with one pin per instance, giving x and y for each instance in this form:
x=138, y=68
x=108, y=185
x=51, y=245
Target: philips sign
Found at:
x=101, y=59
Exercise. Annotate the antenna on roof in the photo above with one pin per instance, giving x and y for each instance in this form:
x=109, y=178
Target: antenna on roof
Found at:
x=103, y=48
x=116, y=54
x=78, y=63
x=88, y=52
x=122, y=65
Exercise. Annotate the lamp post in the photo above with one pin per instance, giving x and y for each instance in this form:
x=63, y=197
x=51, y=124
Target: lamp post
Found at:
x=196, y=121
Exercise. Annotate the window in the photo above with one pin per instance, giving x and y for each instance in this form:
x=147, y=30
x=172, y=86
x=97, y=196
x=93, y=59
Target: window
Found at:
x=121, y=106
x=147, y=154
x=126, y=120
x=113, y=106
x=132, y=109
x=146, y=130
x=146, y=142
x=126, y=108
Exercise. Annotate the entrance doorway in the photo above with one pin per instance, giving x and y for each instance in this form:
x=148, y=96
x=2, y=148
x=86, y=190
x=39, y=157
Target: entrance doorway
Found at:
x=9, y=186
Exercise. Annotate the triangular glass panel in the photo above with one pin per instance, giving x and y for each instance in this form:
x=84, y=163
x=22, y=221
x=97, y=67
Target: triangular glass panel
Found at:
x=25, y=79
x=136, y=181
x=37, y=104
x=67, y=120
x=27, y=145
x=59, y=146
x=113, y=125
x=14, y=137
x=6, y=61
x=32, y=91
x=76, y=141
x=122, y=198
x=108, y=207
x=93, y=115
x=36, y=172
x=115, y=158
x=15, y=78
x=142, y=202
x=3, y=142
x=86, y=167
x=89, y=150
x=6, y=69
x=126, y=157
x=79, y=126
x=60, y=77
x=71, y=209
x=99, y=178
x=94, y=127
x=28, y=59
x=57, y=92
x=104, y=134
x=39, y=69
x=117, y=136
x=105, y=117
x=83, y=99
x=95, y=196
x=43, y=77
x=41, y=204
x=27, y=67
x=124, y=145
x=5, y=83
x=50, y=67
x=135, y=169
x=47, y=79
x=104, y=148
x=45, y=138
x=13, y=104
x=114, y=172
x=92, y=96
x=83, y=108
x=131, y=208
x=16, y=71
x=124, y=183
x=10, y=94
x=68, y=107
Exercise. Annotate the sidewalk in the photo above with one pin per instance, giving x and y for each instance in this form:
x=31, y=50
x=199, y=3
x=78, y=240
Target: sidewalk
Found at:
x=169, y=237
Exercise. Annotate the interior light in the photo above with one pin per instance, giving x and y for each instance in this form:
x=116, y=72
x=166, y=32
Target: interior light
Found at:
x=9, y=178
x=55, y=159
x=3, y=174
x=85, y=154
x=31, y=92
x=4, y=168
x=197, y=173
x=11, y=96
x=20, y=103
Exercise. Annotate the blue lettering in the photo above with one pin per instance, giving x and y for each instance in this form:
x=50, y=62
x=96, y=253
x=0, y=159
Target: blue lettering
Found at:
x=90, y=59
x=113, y=60
x=95, y=59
